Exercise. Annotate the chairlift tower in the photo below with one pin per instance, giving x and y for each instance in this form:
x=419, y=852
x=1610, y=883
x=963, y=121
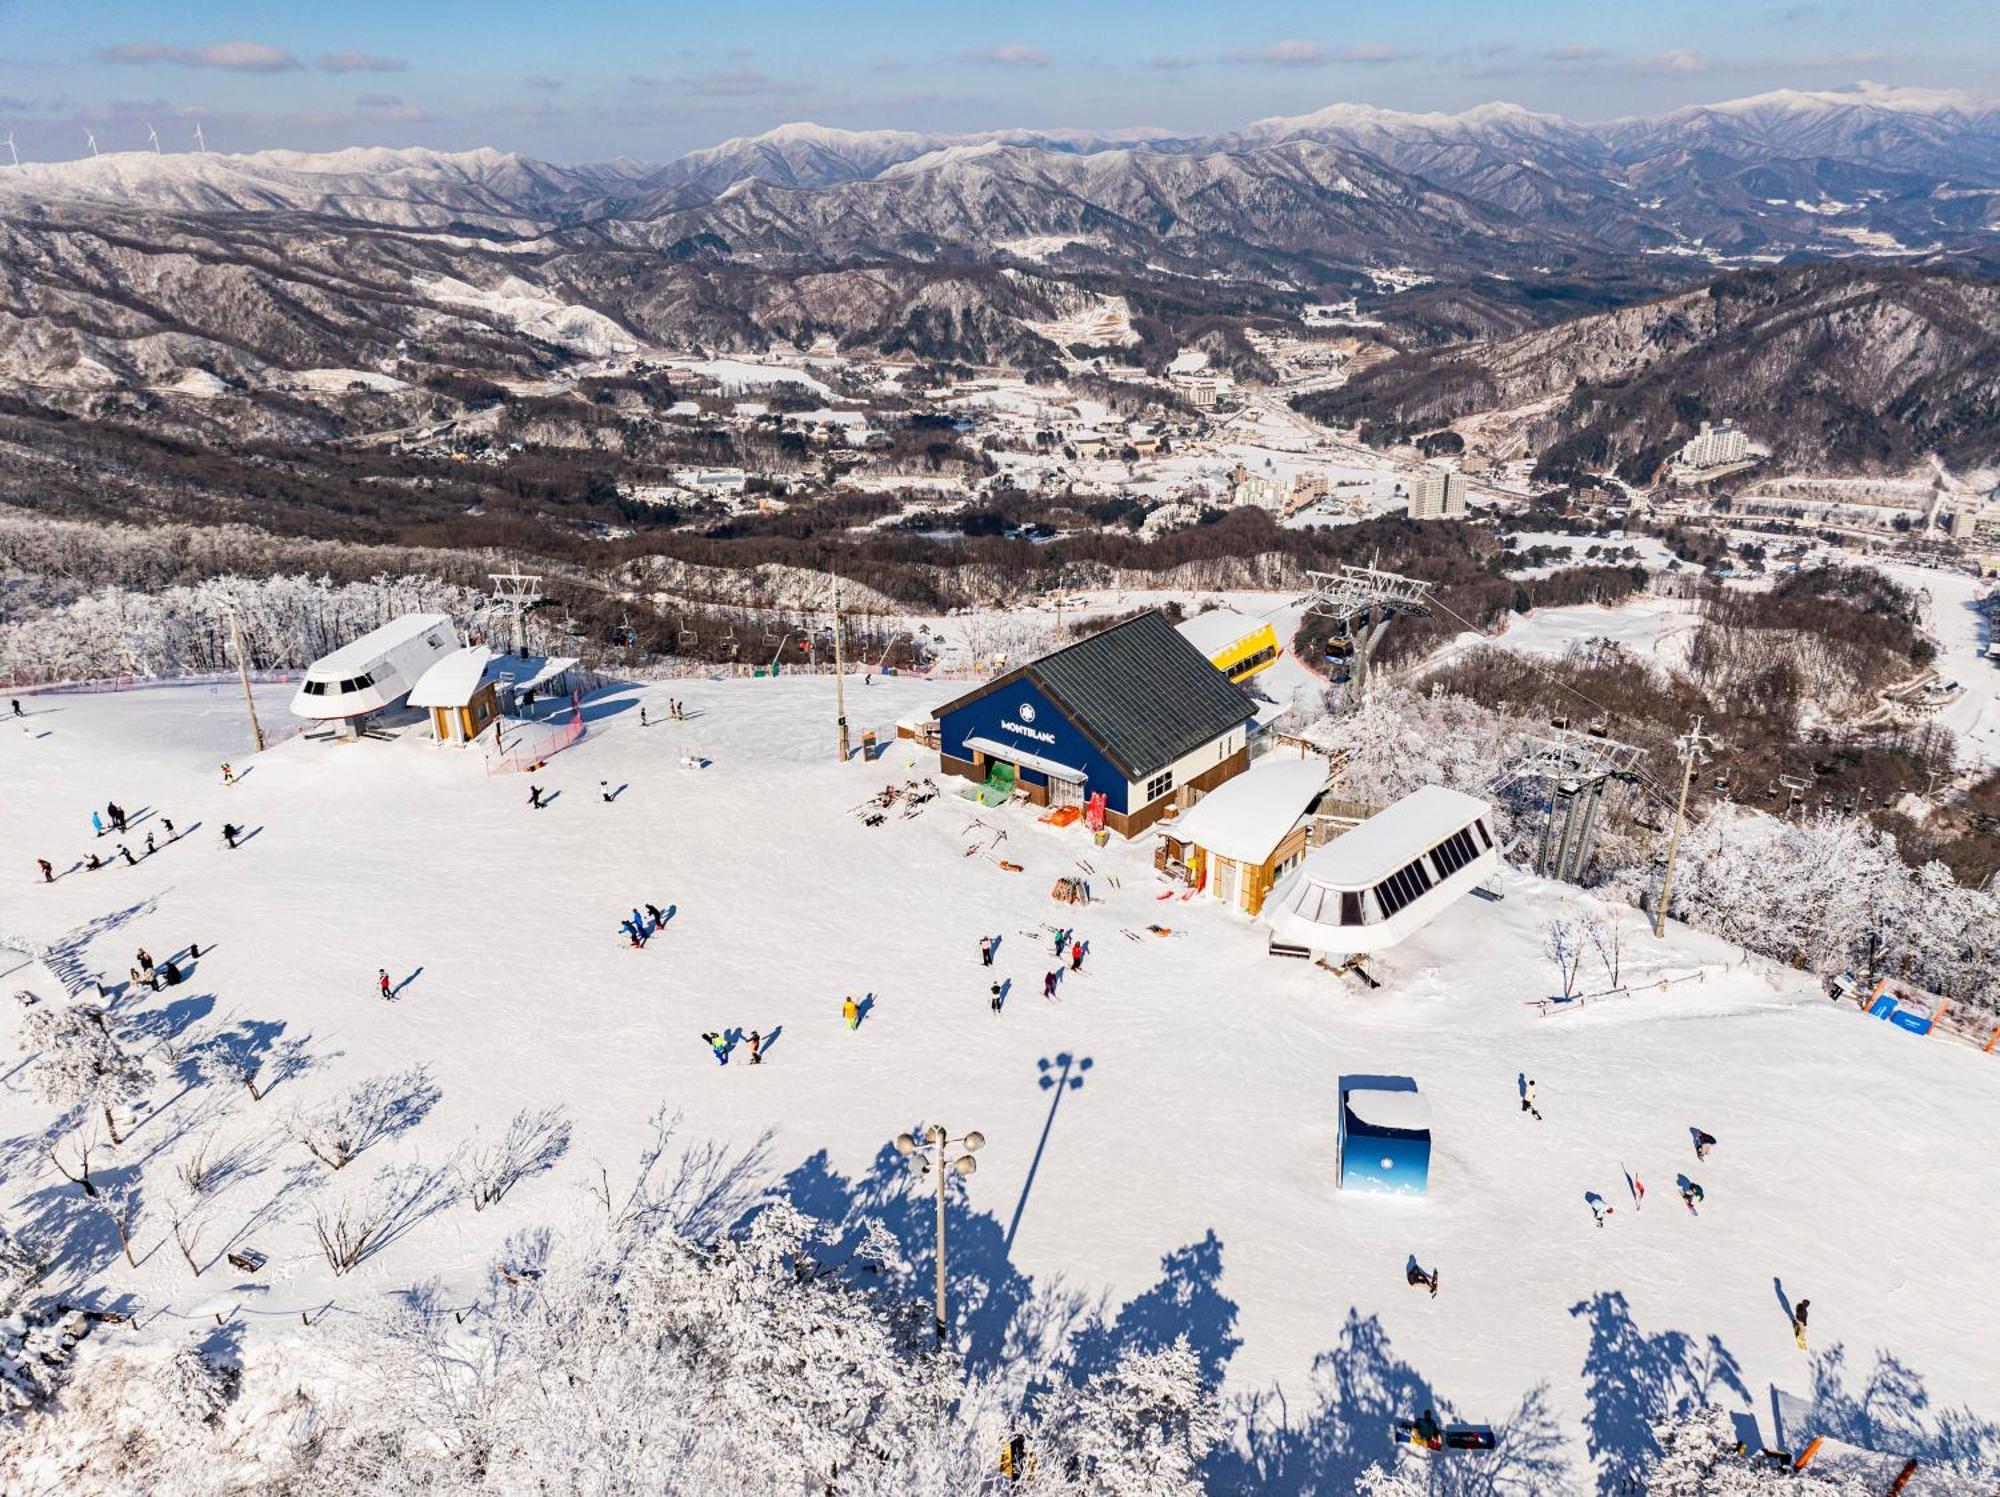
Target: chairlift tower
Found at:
x=1579, y=766
x=1364, y=600
x=1693, y=747
x=519, y=592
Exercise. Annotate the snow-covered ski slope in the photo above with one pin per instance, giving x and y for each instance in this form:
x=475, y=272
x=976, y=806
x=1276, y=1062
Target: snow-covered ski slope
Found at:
x=1188, y=1182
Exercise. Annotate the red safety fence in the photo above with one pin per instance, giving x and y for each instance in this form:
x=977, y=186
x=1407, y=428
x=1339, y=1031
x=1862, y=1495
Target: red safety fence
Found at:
x=534, y=742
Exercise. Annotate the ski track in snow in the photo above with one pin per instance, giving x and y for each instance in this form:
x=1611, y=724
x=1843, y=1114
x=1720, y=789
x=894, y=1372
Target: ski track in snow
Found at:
x=1209, y=1106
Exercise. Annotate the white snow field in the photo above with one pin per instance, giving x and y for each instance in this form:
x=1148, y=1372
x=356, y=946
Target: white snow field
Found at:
x=1187, y=1184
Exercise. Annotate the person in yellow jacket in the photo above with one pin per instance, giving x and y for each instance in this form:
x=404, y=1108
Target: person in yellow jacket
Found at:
x=850, y=1011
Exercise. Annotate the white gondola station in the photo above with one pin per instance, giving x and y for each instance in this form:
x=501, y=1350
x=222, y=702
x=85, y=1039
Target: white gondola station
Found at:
x=1388, y=878
x=375, y=671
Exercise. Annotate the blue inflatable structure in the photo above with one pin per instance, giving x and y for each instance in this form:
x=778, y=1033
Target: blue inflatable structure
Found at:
x=1385, y=1136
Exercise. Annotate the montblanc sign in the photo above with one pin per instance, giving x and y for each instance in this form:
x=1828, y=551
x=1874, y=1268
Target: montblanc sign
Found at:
x=1026, y=712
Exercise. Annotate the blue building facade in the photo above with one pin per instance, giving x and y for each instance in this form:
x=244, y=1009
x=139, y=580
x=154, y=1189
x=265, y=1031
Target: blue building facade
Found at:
x=1020, y=716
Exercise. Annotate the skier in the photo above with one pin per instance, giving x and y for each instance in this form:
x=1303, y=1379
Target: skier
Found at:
x=97, y=823
x=1703, y=1142
x=756, y=1048
x=850, y=1011
x=985, y=951
x=1597, y=1207
x=115, y=816
x=383, y=984
x=642, y=718
x=126, y=853
x=1528, y=1099
x=656, y=915
x=228, y=774
x=1799, y=1322
x=170, y=974
x=94, y=864
x=1076, y=956
x=230, y=834
x=1062, y=940
x=194, y=952
x=144, y=960
x=15, y=703
x=535, y=796
x=604, y=789
x=48, y=870
x=167, y=822
x=1692, y=1194
x=150, y=849
x=639, y=921
x=632, y=934
x=1049, y=983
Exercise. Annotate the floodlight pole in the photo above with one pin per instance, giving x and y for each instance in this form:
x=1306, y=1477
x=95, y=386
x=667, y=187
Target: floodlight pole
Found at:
x=243, y=675
x=1690, y=747
x=840, y=709
x=937, y=1137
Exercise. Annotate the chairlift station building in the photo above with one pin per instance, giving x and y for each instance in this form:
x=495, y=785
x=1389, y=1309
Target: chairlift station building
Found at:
x=1135, y=713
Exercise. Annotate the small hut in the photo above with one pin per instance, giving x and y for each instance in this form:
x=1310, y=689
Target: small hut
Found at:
x=1385, y=1136
x=460, y=694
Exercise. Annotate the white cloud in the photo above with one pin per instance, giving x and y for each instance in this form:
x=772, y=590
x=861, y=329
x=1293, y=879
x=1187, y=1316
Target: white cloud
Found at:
x=1371, y=52
x=1573, y=52
x=1679, y=61
x=361, y=62
x=1009, y=55
x=235, y=57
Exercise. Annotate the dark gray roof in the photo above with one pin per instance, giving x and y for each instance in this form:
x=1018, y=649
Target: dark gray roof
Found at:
x=1143, y=692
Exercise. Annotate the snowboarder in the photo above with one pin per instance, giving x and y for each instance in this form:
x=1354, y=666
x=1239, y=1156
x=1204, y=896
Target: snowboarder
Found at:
x=604, y=789
x=756, y=1048
x=15, y=703
x=230, y=834
x=985, y=951
x=1076, y=956
x=97, y=823
x=228, y=774
x=1528, y=1098
x=48, y=870
x=656, y=915
x=1429, y=1431
x=94, y=864
x=642, y=718
x=1597, y=1207
x=170, y=974
x=167, y=822
x=994, y=1004
x=126, y=853
x=150, y=849
x=194, y=952
x=719, y=1043
x=145, y=960
x=632, y=934
x=1799, y=1322
x=1049, y=983
x=850, y=1011
x=1693, y=1195
x=1703, y=1142
x=1421, y=1280
x=535, y=796
x=383, y=984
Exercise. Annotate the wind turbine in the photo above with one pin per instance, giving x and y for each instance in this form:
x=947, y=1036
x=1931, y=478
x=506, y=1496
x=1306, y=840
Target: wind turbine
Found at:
x=93, y=141
x=11, y=147
x=199, y=144
x=154, y=136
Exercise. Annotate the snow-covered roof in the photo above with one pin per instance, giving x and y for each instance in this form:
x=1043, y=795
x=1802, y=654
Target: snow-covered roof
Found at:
x=453, y=680
x=356, y=655
x=1218, y=628
x=1391, y=837
x=528, y=672
x=1380, y=1107
x=1247, y=817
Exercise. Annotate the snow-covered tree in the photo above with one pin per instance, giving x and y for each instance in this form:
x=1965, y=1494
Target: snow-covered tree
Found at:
x=1139, y=1428
x=194, y=1387
x=1700, y=1457
x=80, y=1064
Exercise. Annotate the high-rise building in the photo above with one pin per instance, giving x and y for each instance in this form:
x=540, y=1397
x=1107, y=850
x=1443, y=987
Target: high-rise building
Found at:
x=1716, y=444
x=1438, y=495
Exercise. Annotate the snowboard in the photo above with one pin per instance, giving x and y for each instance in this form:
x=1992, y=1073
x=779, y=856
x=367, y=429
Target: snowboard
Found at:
x=1477, y=1437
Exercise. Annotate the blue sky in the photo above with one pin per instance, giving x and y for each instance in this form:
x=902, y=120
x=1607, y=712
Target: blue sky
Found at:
x=589, y=79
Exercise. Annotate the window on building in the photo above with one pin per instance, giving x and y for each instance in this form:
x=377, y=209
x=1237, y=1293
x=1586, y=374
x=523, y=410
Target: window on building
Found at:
x=1479, y=826
x=1402, y=886
x=1350, y=907
x=1250, y=663
x=314, y=688
x=1454, y=853
x=1159, y=785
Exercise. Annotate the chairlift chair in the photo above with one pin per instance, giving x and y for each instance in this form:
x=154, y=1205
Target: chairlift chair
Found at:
x=687, y=638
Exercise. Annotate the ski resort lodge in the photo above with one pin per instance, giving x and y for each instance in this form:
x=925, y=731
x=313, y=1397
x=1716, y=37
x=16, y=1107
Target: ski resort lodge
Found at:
x=1235, y=644
x=375, y=671
x=1243, y=837
x=466, y=692
x=1135, y=713
x=1388, y=878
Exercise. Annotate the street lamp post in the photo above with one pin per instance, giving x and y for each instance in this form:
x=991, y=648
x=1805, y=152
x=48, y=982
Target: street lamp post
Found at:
x=938, y=1137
